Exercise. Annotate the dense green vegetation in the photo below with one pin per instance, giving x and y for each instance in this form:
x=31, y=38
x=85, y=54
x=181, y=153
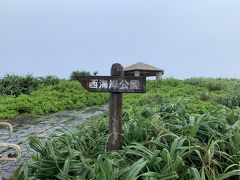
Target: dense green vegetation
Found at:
x=15, y=85
x=49, y=98
x=177, y=130
x=76, y=74
x=226, y=90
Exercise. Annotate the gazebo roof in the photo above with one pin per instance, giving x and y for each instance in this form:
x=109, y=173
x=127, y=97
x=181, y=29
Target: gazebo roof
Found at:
x=145, y=69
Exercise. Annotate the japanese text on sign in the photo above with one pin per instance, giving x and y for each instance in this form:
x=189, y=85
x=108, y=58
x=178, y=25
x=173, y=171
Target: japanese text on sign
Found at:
x=114, y=84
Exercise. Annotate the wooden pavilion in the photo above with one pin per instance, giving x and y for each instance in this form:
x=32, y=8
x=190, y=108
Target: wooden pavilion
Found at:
x=142, y=69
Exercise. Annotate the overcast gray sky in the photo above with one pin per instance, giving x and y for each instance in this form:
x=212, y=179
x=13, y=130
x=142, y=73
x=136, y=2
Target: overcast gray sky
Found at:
x=185, y=37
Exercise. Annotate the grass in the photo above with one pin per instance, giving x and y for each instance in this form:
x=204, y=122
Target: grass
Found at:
x=171, y=132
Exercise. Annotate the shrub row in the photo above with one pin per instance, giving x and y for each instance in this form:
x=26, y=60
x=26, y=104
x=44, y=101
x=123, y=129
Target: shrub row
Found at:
x=15, y=85
x=47, y=99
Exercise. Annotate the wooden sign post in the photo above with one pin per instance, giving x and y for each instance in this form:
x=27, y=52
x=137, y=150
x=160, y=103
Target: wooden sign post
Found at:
x=116, y=84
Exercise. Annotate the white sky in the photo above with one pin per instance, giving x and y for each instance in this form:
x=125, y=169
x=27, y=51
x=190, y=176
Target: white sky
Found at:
x=186, y=38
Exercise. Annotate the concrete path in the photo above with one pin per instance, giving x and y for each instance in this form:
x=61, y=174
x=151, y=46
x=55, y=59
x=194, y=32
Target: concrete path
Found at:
x=42, y=127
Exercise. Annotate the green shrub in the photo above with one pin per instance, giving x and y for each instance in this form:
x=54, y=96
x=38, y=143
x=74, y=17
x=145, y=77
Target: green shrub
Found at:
x=49, y=80
x=15, y=85
x=76, y=74
x=210, y=83
x=229, y=100
x=213, y=86
x=204, y=96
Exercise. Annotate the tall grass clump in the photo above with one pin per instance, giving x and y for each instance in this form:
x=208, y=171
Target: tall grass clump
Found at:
x=210, y=83
x=215, y=84
x=230, y=100
x=15, y=85
x=221, y=91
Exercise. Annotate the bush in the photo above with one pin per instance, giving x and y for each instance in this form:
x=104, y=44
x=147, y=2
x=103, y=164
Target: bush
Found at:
x=214, y=86
x=210, y=83
x=49, y=80
x=15, y=85
x=76, y=74
x=204, y=96
x=229, y=100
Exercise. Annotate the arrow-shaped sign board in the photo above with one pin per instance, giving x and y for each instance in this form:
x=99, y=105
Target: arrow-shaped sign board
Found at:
x=114, y=84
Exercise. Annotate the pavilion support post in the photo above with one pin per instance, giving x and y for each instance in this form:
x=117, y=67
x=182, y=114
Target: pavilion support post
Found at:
x=158, y=75
x=137, y=73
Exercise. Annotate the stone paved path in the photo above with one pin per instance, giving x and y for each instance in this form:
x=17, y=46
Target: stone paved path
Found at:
x=42, y=127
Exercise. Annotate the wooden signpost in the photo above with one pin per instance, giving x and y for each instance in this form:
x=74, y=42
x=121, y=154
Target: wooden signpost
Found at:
x=116, y=84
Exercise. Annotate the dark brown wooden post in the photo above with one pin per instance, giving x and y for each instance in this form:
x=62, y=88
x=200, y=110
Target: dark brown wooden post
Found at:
x=116, y=84
x=115, y=113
